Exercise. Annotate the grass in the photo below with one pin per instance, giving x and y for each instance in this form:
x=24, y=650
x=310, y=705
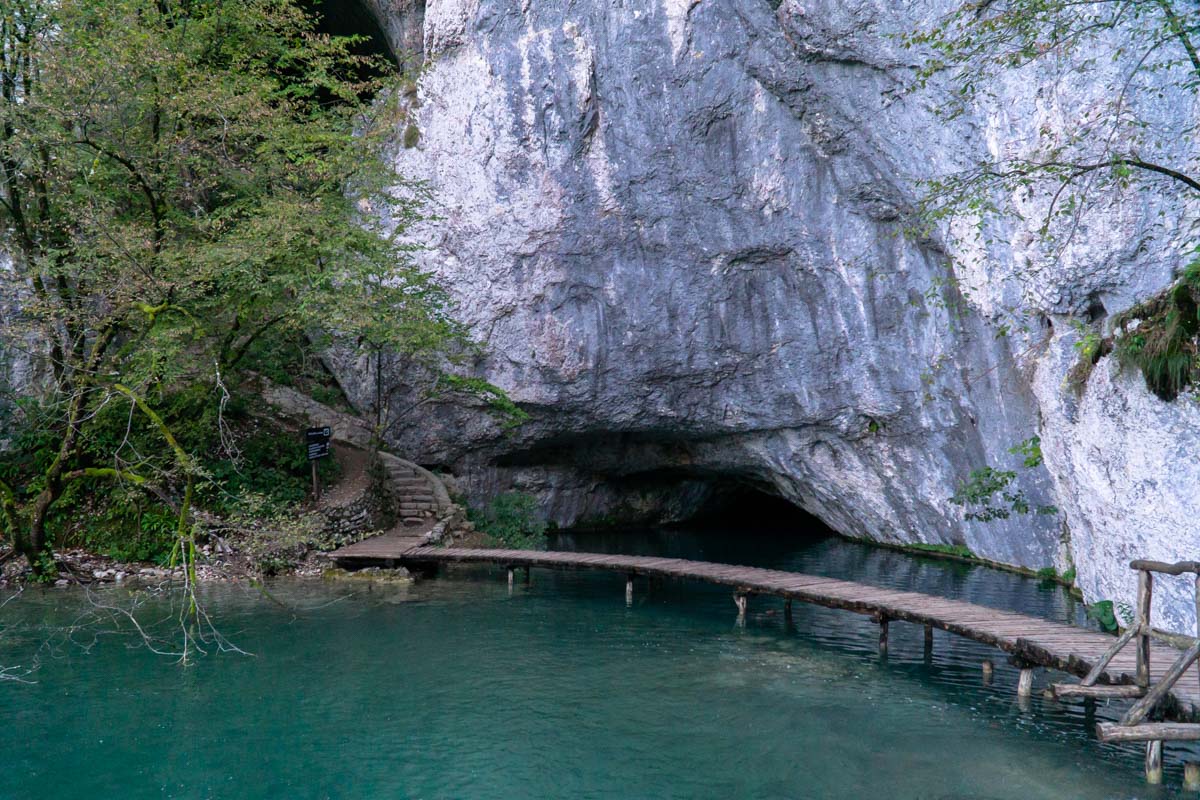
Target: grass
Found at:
x=1159, y=338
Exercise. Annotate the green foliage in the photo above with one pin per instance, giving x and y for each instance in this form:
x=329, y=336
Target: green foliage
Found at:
x=127, y=528
x=412, y=136
x=1145, y=50
x=1030, y=450
x=45, y=570
x=512, y=519
x=988, y=495
x=1159, y=338
x=980, y=490
x=287, y=357
x=1090, y=346
x=1051, y=574
x=183, y=184
x=239, y=456
x=1102, y=613
x=497, y=400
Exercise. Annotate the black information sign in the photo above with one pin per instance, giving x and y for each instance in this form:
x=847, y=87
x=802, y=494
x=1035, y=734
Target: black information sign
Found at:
x=317, y=440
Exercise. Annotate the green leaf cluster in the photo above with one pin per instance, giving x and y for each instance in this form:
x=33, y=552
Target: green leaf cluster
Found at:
x=513, y=520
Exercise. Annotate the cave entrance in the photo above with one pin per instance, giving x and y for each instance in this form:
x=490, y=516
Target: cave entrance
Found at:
x=736, y=504
x=708, y=517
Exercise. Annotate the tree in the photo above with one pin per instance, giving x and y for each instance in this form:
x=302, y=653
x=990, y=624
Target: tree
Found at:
x=1142, y=56
x=1113, y=144
x=179, y=179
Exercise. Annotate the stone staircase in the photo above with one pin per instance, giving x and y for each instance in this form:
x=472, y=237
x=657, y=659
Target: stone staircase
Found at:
x=417, y=495
x=418, y=498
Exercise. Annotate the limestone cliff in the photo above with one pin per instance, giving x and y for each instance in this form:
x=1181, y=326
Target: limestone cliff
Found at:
x=678, y=227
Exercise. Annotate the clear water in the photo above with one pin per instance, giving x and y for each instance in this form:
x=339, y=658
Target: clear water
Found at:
x=452, y=688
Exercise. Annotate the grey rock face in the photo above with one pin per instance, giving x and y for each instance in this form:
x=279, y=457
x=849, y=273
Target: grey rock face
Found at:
x=678, y=227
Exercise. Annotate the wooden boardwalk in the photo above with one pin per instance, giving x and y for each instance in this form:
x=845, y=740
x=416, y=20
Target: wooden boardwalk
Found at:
x=1031, y=641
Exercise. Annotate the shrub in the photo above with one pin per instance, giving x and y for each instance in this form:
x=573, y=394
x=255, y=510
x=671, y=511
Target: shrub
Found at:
x=412, y=135
x=1159, y=337
x=512, y=520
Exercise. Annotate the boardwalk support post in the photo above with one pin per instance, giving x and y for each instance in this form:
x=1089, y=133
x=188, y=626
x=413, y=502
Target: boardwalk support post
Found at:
x=628, y=591
x=988, y=670
x=1025, y=682
x=787, y=610
x=741, y=600
x=528, y=577
x=1154, y=769
x=510, y=580
x=928, y=641
x=883, y=633
x=1191, y=776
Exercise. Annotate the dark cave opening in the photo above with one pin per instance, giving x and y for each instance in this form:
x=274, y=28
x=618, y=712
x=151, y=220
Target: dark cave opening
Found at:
x=352, y=18
x=735, y=520
x=735, y=503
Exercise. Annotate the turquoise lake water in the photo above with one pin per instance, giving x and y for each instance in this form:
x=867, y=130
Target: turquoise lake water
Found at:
x=452, y=688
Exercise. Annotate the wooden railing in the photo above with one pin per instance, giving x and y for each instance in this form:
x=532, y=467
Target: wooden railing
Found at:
x=1133, y=727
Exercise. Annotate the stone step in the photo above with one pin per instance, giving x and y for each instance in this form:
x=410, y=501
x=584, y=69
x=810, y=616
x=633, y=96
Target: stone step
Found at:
x=403, y=475
x=413, y=521
x=415, y=498
x=411, y=483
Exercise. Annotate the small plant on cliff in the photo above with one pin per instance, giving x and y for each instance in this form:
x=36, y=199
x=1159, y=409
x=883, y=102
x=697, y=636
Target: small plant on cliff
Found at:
x=1159, y=337
x=988, y=494
x=512, y=519
x=1101, y=612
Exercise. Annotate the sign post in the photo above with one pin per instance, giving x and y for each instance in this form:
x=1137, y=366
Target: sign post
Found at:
x=317, y=442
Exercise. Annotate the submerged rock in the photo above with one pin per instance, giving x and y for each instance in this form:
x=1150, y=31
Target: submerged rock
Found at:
x=371, y=574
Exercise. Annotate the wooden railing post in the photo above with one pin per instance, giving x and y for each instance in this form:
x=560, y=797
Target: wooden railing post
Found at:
x=1144, y=589
x=1197, y=599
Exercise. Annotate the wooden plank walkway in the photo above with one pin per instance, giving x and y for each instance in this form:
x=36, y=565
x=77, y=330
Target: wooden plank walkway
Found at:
x=1031, y=640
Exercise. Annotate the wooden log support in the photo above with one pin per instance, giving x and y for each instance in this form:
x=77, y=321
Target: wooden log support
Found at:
x=1025, y=682
x=1148, y=732
x=628, y=591
x=787, y=610
x=1098, y=668
x=928, y=640
x=989, y=669
x=1154, y=770
x=1142, y=708
x=883, y=634
x=510, y=580
x=1079, y=690
x=528, y=576
x=1191, y=776
x=741, y=600
x=1144, y=589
